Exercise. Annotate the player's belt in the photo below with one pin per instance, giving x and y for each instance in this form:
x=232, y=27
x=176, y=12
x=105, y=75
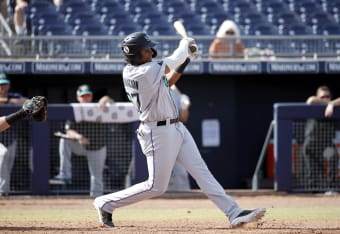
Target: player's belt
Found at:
x=163, y=122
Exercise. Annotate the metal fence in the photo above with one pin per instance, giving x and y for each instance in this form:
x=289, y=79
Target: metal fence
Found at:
x=306, y=148
x=306, y=47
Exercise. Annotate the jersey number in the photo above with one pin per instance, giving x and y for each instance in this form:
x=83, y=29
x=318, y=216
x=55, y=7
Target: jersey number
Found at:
x=134, y=98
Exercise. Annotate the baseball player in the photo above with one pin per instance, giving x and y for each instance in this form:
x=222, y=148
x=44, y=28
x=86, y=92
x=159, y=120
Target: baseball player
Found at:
x=163, y=138
x=35, y=107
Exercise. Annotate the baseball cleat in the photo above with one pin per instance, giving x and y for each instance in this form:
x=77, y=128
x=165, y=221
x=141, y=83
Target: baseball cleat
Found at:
x=59, y=180
x=248, y=216
x=105, y=218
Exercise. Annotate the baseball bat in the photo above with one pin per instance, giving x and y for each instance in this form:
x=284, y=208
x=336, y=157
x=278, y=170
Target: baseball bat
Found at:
x=180, y=29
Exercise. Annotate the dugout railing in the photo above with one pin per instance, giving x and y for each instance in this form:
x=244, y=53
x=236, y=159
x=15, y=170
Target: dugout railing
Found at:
x=37, y=155
x=290, y=123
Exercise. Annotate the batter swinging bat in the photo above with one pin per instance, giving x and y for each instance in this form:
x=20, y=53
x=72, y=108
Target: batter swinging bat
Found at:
x=180, y=29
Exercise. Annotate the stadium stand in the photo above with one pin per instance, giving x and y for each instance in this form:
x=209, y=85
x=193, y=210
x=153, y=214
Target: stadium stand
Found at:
x=200, y=17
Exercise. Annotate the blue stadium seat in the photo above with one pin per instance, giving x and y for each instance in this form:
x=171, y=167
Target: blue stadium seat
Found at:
x=307, y=7
x=241, y=7
x=161, y=29
x=319, y=19
x=114, y=19
x=48, y=18
x=83, y=18
x=251, y=18
x=285, y=18
x=274, y=7
x=122, y=30
x=329, y=29
x=151, y=18
x=296, y=29
x=72, y=7
x=54, y=29
x=90, y=30
x=263, y=29
x=197, y=29
x=140, y=6
x=175, y=7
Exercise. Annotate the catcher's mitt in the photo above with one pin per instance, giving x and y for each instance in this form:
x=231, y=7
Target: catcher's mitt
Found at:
x=36, y=107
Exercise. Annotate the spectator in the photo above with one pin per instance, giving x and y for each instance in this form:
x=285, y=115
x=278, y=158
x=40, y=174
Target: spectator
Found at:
x=19, y=17
x=8, y=141
x=87, y=139
x=4, y=9
x=227, y=43
x=318, y=144
x=179, y=180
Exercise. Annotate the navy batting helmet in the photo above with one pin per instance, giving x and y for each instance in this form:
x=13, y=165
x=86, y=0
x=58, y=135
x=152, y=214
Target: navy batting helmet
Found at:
x=134, y=43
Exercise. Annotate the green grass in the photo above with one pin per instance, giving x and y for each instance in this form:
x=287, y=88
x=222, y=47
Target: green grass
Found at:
x=279, y=214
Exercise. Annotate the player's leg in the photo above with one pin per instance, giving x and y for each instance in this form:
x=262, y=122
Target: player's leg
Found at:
x=96, y=163
x=7, y=155
x=66, y=148
x=191, y=159
x=160, y=145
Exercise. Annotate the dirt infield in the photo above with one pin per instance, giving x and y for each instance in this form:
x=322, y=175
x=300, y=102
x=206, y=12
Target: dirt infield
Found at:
x=297, y=214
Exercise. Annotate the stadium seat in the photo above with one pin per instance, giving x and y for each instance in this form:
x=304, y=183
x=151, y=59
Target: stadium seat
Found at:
x=319, y=19
x=122, y=29
x=90, y=30
x=274, y=7
x=329, y=29
x=53, y=29
x=285, y=18
x=161, y=29
x=263, y=29
x=296, y=29
x=251, y=18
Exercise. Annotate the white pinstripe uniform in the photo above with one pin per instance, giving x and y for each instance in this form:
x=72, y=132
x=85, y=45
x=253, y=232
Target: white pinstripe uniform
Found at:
x=162, y=145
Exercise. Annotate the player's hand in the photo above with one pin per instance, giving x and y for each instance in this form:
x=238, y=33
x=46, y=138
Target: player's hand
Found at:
x=193, y=51
x=329, y=109
x=83, y=141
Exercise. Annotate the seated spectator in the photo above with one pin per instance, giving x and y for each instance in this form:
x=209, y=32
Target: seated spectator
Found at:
x=227, y=43
x=4, y=9
x=19, y=17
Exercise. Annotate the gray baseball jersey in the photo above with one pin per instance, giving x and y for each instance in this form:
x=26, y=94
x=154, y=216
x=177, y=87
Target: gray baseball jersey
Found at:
x=148, y=89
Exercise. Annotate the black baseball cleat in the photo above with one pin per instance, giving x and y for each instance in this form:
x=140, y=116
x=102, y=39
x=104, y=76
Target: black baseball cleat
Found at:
x=248, y=216
x=105, y=218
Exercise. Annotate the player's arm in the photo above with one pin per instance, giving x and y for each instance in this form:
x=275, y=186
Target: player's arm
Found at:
x=17, y=101
x=315, y=100
x=187, y=48
x=73, y=134
x=104, y=102
x=330, y=107
x=176, y=74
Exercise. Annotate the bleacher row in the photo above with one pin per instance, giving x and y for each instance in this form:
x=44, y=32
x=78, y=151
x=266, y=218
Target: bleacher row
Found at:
x=201, y=17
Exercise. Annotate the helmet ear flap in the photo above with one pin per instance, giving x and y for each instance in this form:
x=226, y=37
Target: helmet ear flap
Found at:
x=154, y=52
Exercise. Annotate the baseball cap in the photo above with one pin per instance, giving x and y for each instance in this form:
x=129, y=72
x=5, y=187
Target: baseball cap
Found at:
x=3, y=79
x=84, y=89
